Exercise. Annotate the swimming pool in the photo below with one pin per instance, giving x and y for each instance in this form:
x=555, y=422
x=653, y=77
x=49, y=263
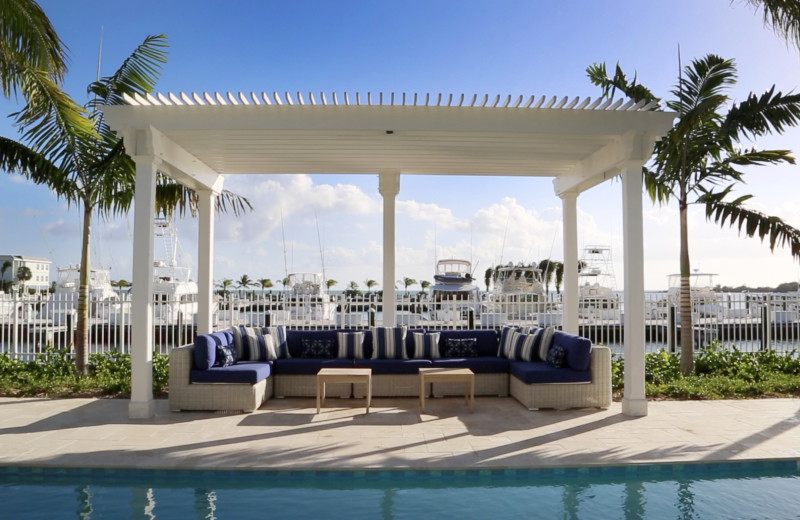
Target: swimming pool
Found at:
x=763, y=489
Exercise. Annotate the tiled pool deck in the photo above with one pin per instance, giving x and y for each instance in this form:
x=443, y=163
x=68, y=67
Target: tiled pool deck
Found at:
x=288, y=434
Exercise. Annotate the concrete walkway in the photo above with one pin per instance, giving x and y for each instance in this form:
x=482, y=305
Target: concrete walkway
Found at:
x=288, y=434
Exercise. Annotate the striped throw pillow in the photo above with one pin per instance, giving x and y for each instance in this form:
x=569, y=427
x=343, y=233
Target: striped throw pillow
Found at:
x=426, y=345
x=389, y=343
x=505, y=341
x=278, y=334
x=351, y=345
x=522, y=346
x=546, y=342
x=252, y=345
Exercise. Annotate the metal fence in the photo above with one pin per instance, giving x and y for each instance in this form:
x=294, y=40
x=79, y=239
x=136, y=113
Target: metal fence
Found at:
x=749, y=322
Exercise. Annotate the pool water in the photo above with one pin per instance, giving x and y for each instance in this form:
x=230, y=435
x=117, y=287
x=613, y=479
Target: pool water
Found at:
x=752, y=490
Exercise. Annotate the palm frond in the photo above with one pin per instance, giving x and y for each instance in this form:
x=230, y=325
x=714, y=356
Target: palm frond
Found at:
x=759, y=115
x=30, y=41
x=750, y=222
x=17, y=158
x=633, y=90
x=782, y=17
x=137, y=75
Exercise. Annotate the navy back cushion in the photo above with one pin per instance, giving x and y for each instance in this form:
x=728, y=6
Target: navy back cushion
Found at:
x=297, y=340
x=486, y=340
x=579, y=349
x=205, y=348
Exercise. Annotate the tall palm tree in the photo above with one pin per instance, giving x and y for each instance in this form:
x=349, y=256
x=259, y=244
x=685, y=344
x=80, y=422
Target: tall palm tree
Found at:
x=548, y=268
x=782, y=16
x=487, y=277
x=370, y=284
x=265, y=283
x=244, y=282
x=224, y=285
x=93, y=171
x=24, y=274
x=406, y=281
x=33, y=63
x=424, y=284
x=330, y=283
x=699, y=160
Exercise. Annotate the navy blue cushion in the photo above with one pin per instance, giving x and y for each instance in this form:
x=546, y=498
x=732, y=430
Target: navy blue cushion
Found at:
x=205, y=348
x=530, y=372
x=459, y=348
x=250, y=372
x=298, y=366
x=392, y=366
x=486, y=340
x=579, y=349
x=479, y=365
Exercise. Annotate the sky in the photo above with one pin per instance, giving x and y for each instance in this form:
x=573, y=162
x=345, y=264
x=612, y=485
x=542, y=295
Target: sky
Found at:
x=333, y=222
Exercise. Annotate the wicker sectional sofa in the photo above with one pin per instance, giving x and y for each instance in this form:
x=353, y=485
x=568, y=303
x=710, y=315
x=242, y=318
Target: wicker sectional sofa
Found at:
x=198, y=383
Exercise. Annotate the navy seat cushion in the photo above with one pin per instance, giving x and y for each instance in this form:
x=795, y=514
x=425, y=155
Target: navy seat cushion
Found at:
x=250, y=372
x=304, y=367
x=392, y=366
x=205, y=348
x=578, y=349
x=486, y=340
x=530, y=372
x=479, y=365
x=297, y=340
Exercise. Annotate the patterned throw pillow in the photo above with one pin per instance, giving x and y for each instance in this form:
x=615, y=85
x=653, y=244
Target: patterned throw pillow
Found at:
x=351, y=345
x=252, y=345
x=316, y=349
x=426, y=345
x=557, y=356
x=546, y=342
x=461, y=348
x=389, y=343
x=524, y=346
x=226, y=356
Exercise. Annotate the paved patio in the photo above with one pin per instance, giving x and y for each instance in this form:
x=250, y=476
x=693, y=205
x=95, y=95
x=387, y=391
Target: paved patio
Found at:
x=288, y=434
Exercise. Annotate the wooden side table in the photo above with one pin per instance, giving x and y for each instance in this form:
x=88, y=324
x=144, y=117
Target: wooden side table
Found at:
x=343, y=375
x=448, y=375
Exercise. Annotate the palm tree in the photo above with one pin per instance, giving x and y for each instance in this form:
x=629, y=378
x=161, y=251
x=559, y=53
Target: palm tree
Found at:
x=330, y=283
x=424, y=284
x=370, y=284
x=782, y=16
x=24, y=274
x=406, y=281
x=93, y=171
x=487, y=277
x=224, y=285
x=548, y=268
x=698, y=161
x=244, y=282
x=7, y=264
x=265, y=283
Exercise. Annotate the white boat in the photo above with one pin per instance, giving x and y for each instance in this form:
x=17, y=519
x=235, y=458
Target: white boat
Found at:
x=308, y=299
x=597, y=288
x=518, y=292
x=174, y=291
x=454, y=293
x=103, y=299
x=705, y=302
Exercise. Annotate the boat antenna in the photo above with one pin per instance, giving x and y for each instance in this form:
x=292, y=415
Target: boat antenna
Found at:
x=321, y=247
x=503, y=247
x=283, y=233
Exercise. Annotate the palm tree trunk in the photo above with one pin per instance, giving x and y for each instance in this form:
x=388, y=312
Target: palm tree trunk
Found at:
x=687, y=327
x=82, y=333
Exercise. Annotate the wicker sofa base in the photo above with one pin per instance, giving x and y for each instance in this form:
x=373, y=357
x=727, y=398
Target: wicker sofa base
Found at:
x=306, y=386
x=485, y=384
x=596, y=394
x=392, y=385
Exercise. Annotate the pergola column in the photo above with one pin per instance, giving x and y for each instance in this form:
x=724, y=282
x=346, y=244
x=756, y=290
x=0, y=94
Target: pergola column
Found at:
x=142, y=405
x=569, y=208
x=634, y=402
x=205, y=261
x=389, y=187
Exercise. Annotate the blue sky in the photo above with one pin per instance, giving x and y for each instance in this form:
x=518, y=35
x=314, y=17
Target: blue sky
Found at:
x=470, y=47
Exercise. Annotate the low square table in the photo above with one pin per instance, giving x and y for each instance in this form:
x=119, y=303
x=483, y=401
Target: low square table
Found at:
x=343, y=375
x=448, y=375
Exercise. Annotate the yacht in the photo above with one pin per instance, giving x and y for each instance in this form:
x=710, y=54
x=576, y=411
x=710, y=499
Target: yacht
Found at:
x=454, y=293
x=103, y=299
x=308, y=298
x=518, y=291
x=597, y=290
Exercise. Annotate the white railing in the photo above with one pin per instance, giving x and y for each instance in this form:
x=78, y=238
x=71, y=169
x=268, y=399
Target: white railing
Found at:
x=749, y=322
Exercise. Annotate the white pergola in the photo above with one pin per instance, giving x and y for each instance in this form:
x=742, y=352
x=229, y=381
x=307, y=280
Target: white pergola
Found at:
x=198, y=139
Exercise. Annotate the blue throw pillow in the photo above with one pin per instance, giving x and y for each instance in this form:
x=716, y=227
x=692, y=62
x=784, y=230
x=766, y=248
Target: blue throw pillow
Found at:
x=389, y=343
x=317, y=349
x=461, y=347
x=426, y=345
x=351, y=345
x=226, y=356
x=557, y=356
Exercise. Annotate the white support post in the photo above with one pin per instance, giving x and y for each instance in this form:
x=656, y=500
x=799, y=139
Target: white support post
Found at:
x=142, y=405
x=569, y=205
x=205, y=261
x=634, y=402
x=389, y=187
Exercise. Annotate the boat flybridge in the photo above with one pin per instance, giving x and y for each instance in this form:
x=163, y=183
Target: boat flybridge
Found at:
x=454, y=293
